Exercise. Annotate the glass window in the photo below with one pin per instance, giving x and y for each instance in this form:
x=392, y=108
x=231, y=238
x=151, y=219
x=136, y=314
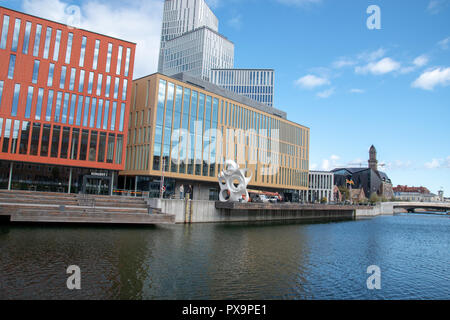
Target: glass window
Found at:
x=58, y=106
x=91, y=82
x=69, y=47
x=113, y=116
x=101, y=147
x=122, y=117
x=15, y=136
x=86, y=111
x=124, y=90
x=29, y=101
x=79, y=110
x=96, y=50
x=45, y=140
x=83, y=51
x=7, y=135
x=51, y=70
x=48, y=37
x=57, y=45
x=37, y=40
x=99, y=84
x=12, y=64
x=75, y=142
x=73, y=73
x=119, y=59
x=35, y=71
x=99, y=113
x=93, y=146
x=1, y=94
x=127, y=62
x=26, y=38
x=35, y=139
x=15, y=100
x=65, y=142
x=73, y=106
x=116, y=88
x=63, y=77
x=39, y=104
x=81, y=85
x=24, y=137
x=55, y=141
x=108, y=86
x=110, y=152
x=119, y=146
x=106, y=115
x=48, y=115
x=15, y=41
x=4, y=32
x=108, y=58
x=65, y=108
x=93, y=108
x=84, y=144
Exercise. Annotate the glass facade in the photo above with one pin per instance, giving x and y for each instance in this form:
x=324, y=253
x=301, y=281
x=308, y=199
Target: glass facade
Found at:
x=195, y=131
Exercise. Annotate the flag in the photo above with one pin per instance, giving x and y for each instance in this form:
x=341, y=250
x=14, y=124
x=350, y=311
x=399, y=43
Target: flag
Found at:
x=349, y=182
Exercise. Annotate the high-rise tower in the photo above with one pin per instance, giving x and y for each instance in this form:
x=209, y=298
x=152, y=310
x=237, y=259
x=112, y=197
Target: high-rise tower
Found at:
x=182, y=16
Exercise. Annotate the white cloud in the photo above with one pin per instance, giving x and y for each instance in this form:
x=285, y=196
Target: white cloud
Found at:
x=397, y=165
x=331, y=163
x=311, y=81
x=137, y=21
x=383, y=66
x=326, y=94
x=355, y=90
x=438, y=163
x=418, y=62
x=343, y=62
x=421, y=61
x=444, y=44
x=432, y=78
x=372, y=55
x=436, y=6
x=313, y=166
x=299, y=3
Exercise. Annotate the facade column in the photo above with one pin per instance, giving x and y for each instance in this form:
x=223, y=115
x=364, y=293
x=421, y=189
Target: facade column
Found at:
x=135, y=186
x=111, y=188
x=10, y=175
x=70, y=181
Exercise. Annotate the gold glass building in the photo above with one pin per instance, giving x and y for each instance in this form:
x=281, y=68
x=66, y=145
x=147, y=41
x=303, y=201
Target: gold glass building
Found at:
x=184, y=129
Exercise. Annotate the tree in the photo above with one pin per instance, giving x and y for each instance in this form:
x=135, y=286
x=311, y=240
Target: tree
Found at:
x=345, y=193
x=374, y=198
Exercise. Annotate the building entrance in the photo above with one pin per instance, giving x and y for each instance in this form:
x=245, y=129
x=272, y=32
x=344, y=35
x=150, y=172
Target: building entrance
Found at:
x=97, y=185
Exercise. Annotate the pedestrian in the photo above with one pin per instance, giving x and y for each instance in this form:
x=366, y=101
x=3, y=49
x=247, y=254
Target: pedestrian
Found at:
x=181, y=192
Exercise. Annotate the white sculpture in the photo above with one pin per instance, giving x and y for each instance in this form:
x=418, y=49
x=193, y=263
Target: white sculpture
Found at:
x=233, y=183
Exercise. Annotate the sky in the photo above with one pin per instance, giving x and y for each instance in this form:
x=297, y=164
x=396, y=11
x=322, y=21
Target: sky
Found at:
x=351, y=85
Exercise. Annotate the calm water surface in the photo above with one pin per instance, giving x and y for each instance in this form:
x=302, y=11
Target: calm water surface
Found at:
x=233, y=261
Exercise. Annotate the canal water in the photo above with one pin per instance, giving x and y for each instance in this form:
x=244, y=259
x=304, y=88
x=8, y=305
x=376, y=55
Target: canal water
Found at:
x=232, y=261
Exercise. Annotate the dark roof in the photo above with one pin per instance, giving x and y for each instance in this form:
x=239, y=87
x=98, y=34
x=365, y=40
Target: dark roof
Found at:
x=351, y=170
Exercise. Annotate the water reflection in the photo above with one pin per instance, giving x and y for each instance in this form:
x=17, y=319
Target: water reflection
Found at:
x=233, y=261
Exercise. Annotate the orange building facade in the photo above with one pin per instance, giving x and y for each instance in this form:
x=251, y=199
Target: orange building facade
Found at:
x=64, y=98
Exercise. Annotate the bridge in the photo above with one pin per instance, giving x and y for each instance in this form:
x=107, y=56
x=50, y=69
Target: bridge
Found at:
x=412, y=206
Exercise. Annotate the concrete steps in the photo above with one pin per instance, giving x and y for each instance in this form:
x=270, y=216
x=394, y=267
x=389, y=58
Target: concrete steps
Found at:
x=29, y=206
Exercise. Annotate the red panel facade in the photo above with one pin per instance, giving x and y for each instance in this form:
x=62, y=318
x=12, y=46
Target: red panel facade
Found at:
x=80, y=120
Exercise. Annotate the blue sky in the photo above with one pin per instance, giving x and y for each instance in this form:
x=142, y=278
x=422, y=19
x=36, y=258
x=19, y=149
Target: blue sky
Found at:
x=352, y=86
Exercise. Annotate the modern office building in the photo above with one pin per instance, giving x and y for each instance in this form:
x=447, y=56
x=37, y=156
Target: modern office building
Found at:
x=321, y=186
x=181, y=16
x=64, y=105
x=256, y=84
x=183, y=129
x=190, y=40
x=197, y=52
